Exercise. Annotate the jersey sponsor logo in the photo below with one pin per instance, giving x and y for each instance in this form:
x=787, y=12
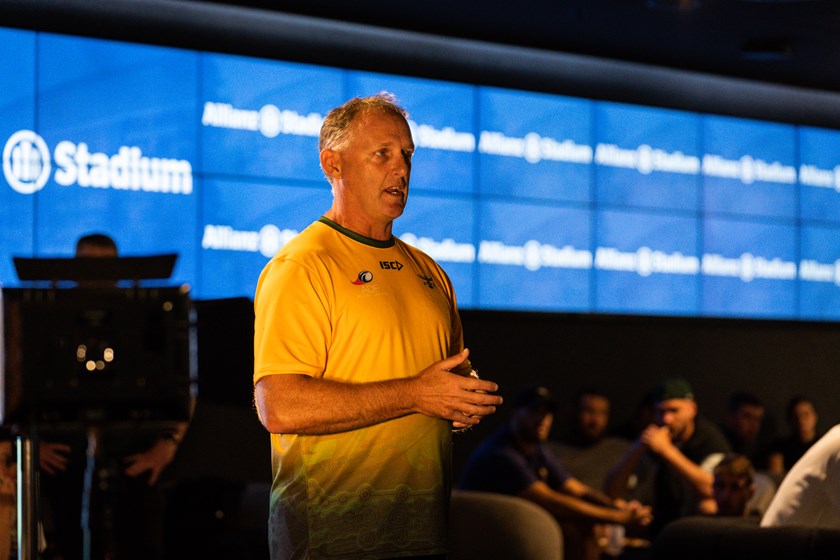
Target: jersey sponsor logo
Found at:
x=364, y=277
x=391, y=265
x=28, y=163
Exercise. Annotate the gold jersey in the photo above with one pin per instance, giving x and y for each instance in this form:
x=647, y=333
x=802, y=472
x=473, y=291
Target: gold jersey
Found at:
x=340, y=306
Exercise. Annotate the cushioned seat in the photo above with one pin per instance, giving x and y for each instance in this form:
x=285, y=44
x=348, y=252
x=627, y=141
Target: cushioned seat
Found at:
x=704, y=538
x=490, y=526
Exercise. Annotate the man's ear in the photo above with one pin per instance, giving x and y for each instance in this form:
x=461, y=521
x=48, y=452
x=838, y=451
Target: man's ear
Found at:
x=331, y=163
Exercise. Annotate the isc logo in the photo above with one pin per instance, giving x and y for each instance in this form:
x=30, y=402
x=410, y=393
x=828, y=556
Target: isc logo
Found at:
x=390, y=265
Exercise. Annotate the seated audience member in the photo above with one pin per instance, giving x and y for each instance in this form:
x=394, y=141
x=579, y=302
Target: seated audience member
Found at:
x=588, y=452
x=733, y=487
x=802, y=419
x=810, y=492
x=516, y=461
x=682, y=446
x=128, y=499
x=742, y=425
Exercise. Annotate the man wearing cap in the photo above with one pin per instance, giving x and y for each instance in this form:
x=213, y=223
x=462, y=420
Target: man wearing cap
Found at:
x=685, y=448
x=516, y=461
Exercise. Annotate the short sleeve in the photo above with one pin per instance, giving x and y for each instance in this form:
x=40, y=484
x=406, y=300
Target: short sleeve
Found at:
x=291, y=326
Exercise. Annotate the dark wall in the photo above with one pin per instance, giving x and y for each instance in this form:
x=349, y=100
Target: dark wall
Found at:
x=626, y=356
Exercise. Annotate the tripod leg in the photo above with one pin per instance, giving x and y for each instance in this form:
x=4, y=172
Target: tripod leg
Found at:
x=27, y=523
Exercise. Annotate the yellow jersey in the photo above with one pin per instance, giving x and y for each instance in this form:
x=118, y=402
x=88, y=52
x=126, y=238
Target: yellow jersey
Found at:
x=336, y=305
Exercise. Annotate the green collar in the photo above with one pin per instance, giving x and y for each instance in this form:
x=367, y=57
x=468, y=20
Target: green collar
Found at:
x=357, y=237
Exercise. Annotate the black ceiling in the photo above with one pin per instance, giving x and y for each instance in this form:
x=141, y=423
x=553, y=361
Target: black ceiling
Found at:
x=793, y=42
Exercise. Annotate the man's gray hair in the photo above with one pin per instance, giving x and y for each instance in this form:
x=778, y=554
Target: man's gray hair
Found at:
x=336, y=128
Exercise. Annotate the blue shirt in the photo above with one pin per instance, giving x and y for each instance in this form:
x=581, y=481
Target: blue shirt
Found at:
x=499, y=465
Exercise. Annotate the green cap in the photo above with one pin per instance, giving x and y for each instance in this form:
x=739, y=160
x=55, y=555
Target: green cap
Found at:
x=673, y=388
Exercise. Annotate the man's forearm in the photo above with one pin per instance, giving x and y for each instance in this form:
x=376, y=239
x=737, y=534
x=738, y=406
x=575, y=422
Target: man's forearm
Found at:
x=564, y=506
x=616, y=484
x=298, y=404
x=699, y=480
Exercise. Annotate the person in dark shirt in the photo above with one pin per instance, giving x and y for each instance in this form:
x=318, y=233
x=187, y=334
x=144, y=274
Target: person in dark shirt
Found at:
x=684, y=448
x=130, y=468
x=742, y=426
x=516, y=461
x=785, y=452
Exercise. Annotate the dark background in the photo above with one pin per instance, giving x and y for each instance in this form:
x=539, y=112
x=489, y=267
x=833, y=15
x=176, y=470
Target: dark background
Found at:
x=623, y=356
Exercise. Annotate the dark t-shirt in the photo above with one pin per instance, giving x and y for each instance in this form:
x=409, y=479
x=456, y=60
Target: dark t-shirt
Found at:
x=499, y=465
x=791, y=448
x=673, y=498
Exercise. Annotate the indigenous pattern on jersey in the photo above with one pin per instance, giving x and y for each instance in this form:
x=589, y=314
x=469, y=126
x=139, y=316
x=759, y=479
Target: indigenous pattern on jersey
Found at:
x=337, y=305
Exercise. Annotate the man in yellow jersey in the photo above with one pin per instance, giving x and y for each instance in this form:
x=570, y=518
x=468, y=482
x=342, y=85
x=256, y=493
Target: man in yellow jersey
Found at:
x=357, y=341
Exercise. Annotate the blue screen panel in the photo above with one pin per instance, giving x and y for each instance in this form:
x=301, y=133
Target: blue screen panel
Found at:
x=819, y=273
x=534, y=257
x=23, y=172
x=120, y=123
x=647, y=263
x=819, y=174
x=647, y=158
x=749, y=269
x=244, y=225
x=443, y=228
x=534, y=145
x=262, y=119
x=442, y=120
x=749, y=167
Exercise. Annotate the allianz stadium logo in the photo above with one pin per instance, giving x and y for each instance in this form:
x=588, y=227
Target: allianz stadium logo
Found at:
x=28, y=165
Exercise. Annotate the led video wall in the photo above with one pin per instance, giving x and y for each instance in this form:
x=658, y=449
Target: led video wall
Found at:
x=529, y=201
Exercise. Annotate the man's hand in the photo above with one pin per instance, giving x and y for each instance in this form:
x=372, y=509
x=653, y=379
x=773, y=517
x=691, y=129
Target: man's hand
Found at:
x=284, y=402
x=657, y=439
x=153, y=460
x=52, y=457
x=634, y=514
x=462, y=400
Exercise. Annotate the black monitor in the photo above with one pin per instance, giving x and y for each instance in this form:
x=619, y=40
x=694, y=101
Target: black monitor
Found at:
x=81, y=356
x=86, y=269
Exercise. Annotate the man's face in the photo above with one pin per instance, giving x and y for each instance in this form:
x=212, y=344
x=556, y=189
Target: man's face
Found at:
x=731, y=494
x=534, y=423
x=375, y=168
x=804, y=418
x=678, y=415
x=746, y=421
x=89, y=250
x=593, y=416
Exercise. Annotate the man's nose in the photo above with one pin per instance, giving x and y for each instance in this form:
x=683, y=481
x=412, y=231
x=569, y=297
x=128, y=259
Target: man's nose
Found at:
x=401, y=166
